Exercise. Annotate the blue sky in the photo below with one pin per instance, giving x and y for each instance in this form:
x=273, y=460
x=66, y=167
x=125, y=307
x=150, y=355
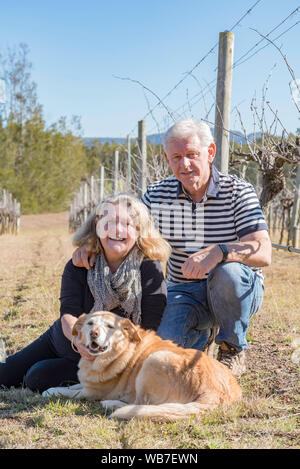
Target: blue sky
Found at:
x=77, y=47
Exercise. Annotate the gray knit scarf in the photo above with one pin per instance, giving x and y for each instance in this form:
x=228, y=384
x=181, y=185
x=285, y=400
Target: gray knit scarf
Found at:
x=122, y=288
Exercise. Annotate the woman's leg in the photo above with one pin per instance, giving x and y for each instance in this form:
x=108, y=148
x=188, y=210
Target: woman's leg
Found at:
x=14, y=369
x=50, y=373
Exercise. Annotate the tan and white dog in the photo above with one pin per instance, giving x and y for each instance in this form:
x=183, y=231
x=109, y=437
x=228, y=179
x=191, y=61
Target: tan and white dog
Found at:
x=140, y=375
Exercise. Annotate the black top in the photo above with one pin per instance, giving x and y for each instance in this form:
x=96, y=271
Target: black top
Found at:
x=76, y=298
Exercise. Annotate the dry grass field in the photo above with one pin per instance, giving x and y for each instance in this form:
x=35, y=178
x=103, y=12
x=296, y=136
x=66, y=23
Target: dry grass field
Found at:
x=267, y=417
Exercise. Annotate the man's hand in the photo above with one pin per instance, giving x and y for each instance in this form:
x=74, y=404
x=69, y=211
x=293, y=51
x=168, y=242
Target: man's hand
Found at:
x=201, y=263
x=82, y=258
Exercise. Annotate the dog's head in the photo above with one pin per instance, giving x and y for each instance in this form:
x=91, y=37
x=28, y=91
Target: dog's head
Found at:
x=103, y=331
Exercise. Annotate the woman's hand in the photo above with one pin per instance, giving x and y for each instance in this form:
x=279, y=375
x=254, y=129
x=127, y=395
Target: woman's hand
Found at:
x=82, y=258
x=83, y=350
x=67, y=323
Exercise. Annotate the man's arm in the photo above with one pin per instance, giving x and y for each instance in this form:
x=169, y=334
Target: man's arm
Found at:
x=253, y=250
x=82, y=258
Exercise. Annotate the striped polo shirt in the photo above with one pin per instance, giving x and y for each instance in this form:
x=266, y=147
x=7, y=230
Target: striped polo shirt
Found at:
x=228, y=211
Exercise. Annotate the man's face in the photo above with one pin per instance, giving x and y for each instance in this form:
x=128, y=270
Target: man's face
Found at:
x=190, y=161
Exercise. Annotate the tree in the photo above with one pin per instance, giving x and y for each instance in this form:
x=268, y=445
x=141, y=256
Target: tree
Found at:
x=21, y=90
x=42, y=167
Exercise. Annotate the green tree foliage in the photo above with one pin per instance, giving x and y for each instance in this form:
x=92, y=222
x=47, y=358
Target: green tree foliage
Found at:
x=98, y=153
x=40, y=167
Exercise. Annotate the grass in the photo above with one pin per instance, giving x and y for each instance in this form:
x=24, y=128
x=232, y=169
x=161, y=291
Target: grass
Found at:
x=267, y=417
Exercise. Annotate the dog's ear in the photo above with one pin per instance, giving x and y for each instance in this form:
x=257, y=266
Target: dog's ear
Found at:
x=130, y=330
x=78, y=324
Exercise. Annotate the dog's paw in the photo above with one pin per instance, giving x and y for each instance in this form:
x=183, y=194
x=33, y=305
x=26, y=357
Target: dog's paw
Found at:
x=112, y=404
x=51, y=392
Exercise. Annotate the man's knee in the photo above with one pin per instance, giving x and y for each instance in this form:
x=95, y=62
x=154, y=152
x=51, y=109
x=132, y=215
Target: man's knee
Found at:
x=228, y=277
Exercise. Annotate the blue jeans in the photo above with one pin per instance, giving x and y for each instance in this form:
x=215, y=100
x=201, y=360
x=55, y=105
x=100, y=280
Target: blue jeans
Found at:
x=227, y=299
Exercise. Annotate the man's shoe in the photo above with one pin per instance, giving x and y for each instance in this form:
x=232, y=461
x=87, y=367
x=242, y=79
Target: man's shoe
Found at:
x=234, y=360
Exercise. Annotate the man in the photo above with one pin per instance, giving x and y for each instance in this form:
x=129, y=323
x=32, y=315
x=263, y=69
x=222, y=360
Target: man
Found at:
x=219, y=241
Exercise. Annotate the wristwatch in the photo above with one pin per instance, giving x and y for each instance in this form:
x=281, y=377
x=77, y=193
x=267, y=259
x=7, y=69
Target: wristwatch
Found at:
x=224, y=250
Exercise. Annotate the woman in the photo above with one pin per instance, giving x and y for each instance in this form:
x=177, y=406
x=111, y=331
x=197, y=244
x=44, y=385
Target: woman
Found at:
x=126, y=279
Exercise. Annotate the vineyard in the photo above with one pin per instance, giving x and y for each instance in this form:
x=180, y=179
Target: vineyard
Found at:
x=10, y=212
x=52, y=178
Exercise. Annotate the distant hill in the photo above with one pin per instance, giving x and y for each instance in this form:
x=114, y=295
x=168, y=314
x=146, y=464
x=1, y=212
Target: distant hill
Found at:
x=157, y=139
x=88, y=141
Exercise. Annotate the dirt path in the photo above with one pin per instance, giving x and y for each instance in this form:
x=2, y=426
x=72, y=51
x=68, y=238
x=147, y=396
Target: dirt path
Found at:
x=44, y=221
x=31, y=268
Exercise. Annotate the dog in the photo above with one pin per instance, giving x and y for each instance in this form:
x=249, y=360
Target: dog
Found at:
x=138, y=374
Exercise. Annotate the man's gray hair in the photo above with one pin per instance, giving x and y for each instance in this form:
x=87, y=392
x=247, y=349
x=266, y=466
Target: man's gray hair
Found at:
x=186, y=128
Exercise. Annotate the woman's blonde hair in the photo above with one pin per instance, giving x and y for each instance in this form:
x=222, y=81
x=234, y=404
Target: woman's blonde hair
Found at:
x=149, y=239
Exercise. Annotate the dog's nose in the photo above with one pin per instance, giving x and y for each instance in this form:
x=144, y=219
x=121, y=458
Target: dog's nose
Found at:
x=94, y=333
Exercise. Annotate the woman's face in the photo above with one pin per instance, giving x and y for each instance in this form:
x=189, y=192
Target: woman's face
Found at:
x=117, y=231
